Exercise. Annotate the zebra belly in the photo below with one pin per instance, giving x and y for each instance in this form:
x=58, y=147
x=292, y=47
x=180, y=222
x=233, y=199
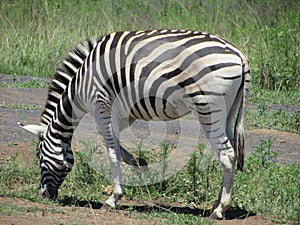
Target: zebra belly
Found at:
x=147, y=99
x=160, y=110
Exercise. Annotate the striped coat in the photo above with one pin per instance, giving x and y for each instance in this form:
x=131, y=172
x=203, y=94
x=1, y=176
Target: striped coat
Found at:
x=148, y=75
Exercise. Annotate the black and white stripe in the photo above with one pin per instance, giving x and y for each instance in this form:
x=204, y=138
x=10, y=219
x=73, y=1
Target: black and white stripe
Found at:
x=149, y=75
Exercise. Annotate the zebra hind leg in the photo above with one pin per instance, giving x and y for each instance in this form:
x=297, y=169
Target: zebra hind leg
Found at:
x=129, y=159
x=227, y=159
x=213, y=116
x=214, y=125
x=225, y=145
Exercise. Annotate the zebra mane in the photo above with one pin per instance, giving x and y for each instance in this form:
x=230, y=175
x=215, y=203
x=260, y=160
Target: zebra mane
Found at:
x=63, y=76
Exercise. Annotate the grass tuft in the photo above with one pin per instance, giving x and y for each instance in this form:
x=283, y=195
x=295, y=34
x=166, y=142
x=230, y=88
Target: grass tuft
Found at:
x=266, y=186
x=263, y=117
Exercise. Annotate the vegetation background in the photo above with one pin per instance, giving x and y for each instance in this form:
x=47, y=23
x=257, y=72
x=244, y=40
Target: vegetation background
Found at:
x=35, y=35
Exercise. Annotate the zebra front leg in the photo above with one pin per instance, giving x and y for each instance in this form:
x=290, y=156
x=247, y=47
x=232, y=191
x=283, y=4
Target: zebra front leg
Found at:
x=110, y=132
x=129, y=159
x=227, y=159
x=114, y=159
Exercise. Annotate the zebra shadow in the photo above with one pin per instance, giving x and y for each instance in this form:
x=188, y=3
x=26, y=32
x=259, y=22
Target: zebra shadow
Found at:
x=233, y=213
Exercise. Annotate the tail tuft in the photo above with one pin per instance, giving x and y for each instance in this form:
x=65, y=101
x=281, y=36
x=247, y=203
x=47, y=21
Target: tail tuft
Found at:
x=239, y=138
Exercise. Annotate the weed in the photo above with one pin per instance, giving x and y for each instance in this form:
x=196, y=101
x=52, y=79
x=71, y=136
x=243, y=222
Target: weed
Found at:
x=141, y=151
x=10, y=144
x=263, y=153
x=163, y=159
x=266, y=186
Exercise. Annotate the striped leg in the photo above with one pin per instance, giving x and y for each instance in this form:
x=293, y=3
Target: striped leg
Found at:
x=227, y=156
x=227, y=159
x=127, y=157
x=214, y=125
x=110, y=132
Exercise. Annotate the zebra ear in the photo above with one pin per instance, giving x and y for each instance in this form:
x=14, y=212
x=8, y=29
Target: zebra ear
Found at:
x=37, y=130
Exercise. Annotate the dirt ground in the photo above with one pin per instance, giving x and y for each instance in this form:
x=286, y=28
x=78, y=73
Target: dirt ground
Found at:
x=24, y=105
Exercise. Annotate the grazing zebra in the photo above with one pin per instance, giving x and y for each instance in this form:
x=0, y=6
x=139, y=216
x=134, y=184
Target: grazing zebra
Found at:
x=148, y=75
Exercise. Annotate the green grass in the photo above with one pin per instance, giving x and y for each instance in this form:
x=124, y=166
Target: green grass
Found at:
x=13, y=177
x=262, y=117
x=269, y=187
x=259, y=95
x=266, y=187
x=36, y=35
x=13, y=210
x=34, y=83
x=20, y=106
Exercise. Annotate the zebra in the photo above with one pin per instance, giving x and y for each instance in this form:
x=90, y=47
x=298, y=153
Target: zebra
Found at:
x=157, y=75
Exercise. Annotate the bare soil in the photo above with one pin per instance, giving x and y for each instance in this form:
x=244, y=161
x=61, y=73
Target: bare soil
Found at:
x=19, y=104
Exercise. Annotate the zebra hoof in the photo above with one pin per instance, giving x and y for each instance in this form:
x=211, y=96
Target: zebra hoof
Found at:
x=106, y=207
x=217, y=215
x=141, y=164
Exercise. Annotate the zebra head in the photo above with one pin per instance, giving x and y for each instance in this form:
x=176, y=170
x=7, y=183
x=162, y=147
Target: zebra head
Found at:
x=55, y=157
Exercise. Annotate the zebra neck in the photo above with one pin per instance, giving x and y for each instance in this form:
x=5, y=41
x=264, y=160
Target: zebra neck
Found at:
x=58, y=142
x=66, y=118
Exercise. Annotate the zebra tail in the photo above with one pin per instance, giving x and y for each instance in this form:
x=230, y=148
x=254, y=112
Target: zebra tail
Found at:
x=239, y=133
x=239, y=139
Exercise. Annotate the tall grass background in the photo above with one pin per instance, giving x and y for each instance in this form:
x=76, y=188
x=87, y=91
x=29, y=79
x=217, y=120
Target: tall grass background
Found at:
x=36, y=34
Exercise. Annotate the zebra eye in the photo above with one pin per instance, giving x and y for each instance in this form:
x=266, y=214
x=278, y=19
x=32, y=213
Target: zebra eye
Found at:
x=37, y=152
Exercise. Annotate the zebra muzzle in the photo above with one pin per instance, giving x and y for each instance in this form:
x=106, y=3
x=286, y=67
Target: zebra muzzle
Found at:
x=49, y=192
